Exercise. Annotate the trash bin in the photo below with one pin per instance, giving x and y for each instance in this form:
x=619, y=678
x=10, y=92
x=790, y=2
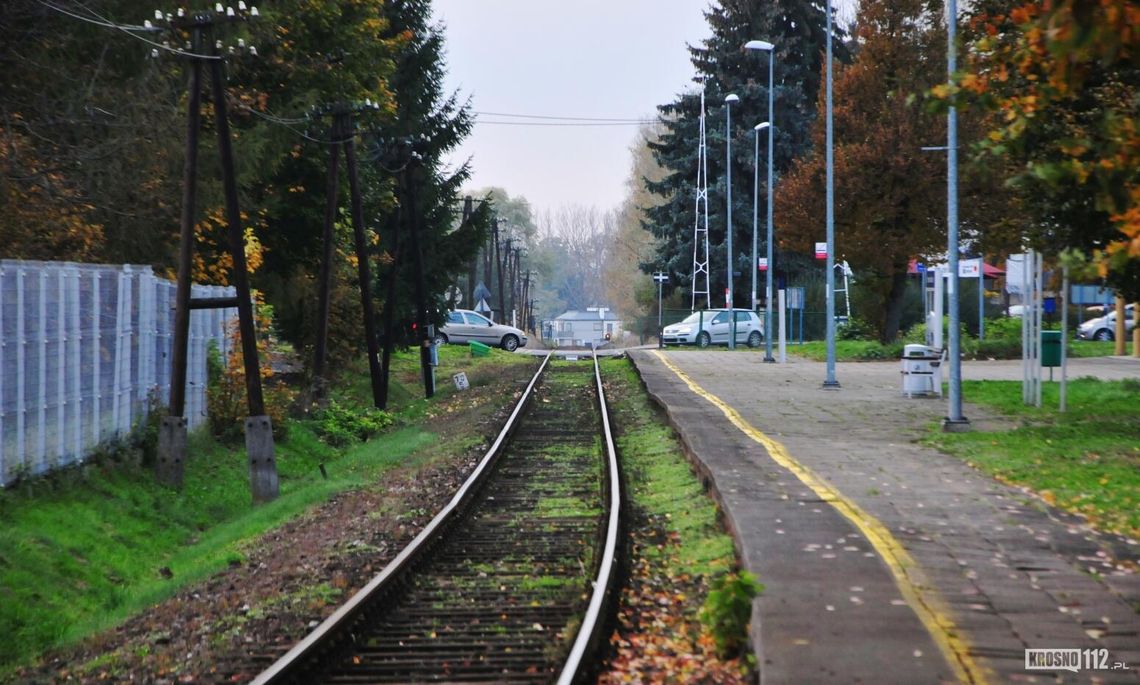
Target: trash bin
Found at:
x=921, y=374
x=478, y=349
x=1050, y=348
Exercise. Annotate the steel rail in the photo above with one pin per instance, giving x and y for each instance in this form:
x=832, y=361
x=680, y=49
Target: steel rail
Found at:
x=281, y=670
x=594, y=620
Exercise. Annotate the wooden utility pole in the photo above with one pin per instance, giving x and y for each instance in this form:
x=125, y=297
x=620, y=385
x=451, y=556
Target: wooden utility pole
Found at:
x=258, y=427
x=413, y=217
x=343, y=134
x=364, y=275
x=395, y=252
x=499, y=267
x=170, y=464
x=473, y=264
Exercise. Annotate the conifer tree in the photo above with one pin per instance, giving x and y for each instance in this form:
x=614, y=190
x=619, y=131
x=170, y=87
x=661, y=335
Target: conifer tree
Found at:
x=797, y=29
x=423, y=214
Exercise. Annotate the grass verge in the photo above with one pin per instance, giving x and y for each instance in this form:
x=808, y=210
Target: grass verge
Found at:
x=86, y=547
x=678, y=547
x=871, y=350
x=1086, y=460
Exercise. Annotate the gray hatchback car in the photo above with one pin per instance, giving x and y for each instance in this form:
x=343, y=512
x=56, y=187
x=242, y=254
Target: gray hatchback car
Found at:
x=464, y=326
x=713, y=327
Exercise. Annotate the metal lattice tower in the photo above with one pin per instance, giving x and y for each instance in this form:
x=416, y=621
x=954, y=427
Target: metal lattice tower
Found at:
x=701, y=223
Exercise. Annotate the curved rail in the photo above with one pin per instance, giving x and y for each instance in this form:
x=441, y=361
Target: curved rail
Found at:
x=324, y=639
x=314, y=641
x=594, y=620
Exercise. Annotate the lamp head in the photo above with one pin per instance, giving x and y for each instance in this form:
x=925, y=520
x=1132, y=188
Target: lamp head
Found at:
x=732, y=98
x=759, y=45
x=761, y=126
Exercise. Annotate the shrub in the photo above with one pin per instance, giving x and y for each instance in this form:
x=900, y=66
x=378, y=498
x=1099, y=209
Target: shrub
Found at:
x=857, y=328
x=1004, y=328
x=728, y=609
x=226, y=405
x=340, y=425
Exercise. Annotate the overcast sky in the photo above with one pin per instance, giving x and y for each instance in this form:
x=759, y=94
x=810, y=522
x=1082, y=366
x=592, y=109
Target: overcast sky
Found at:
x=586, y=58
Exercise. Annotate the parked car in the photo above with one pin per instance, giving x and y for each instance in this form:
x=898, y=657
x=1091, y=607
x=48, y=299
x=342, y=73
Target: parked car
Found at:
x=464, y=326
x=1104, y=327
x=713, y=327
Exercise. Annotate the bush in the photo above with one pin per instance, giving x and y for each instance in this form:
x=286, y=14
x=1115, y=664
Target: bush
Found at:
x=226, y=405
x=857, y=328
x=1004, y=328
x=341, y=425
x=728, y=609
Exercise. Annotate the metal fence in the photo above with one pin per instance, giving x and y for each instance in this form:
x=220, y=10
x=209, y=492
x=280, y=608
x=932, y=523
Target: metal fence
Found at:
x=84, y=349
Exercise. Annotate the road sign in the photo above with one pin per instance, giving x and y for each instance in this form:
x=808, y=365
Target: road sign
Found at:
x=762, y=263
x=661, y=277
x=795, y=298
x=969, y=268
x=821, y=250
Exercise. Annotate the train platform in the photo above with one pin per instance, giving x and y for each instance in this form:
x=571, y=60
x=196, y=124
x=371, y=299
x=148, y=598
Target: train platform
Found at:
x=885, y=561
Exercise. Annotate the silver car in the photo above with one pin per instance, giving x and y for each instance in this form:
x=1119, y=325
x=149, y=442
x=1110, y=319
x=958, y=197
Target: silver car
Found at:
x=713, y=327
x=464, y=326
x=1104, y=327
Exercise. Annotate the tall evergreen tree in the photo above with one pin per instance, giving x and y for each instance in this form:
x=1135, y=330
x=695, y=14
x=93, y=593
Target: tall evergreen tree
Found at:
x=797, y=28
x=410, y=148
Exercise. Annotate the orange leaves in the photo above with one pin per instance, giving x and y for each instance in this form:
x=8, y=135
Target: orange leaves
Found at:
x=212, y=260
x=1022, y=15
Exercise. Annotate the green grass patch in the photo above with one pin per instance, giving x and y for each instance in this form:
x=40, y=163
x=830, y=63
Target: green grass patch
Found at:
x=85, y=548
x=1097, y=348
x=661, y=482
x=990, y=348
x=1086, y=460
x=565, y=507
x=848, y=350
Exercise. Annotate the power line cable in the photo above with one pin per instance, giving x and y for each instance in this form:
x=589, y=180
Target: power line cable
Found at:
x=539, y=123
x=566, y=118
x=127, y=29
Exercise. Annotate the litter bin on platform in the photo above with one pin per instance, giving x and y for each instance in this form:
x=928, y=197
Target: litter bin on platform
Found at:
x=921, y=372
x=1050, y=348
x=478, y=349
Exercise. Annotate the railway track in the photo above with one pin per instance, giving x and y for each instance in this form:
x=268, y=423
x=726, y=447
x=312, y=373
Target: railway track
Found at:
x=509, y=582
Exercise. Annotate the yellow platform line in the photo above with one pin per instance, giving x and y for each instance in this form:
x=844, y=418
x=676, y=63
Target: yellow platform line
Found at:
x=918, y=593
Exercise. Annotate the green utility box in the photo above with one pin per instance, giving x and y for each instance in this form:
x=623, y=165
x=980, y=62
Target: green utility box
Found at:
x=1051, y=348
x=478, y=349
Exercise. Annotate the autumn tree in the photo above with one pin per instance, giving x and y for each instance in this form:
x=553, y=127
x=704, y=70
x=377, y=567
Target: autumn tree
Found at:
x=797, y=28
x=91, y=136
x=627, y=289
x=890, y=196
x=1061, y=81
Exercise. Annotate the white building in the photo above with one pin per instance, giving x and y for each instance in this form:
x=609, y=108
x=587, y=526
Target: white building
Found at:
x=577, y=328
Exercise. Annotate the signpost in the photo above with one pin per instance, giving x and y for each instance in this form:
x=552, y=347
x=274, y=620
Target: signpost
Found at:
x=973, y=268
x=662, y=278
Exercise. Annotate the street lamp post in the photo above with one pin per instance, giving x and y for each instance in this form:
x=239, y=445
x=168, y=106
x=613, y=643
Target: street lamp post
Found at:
x=954, y=420
x=830, y=382
x=728, y=102
x=755, y=210
x=771, y=50
x=755, y=205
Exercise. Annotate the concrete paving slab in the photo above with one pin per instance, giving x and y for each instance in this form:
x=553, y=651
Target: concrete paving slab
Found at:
x=1001, y=568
